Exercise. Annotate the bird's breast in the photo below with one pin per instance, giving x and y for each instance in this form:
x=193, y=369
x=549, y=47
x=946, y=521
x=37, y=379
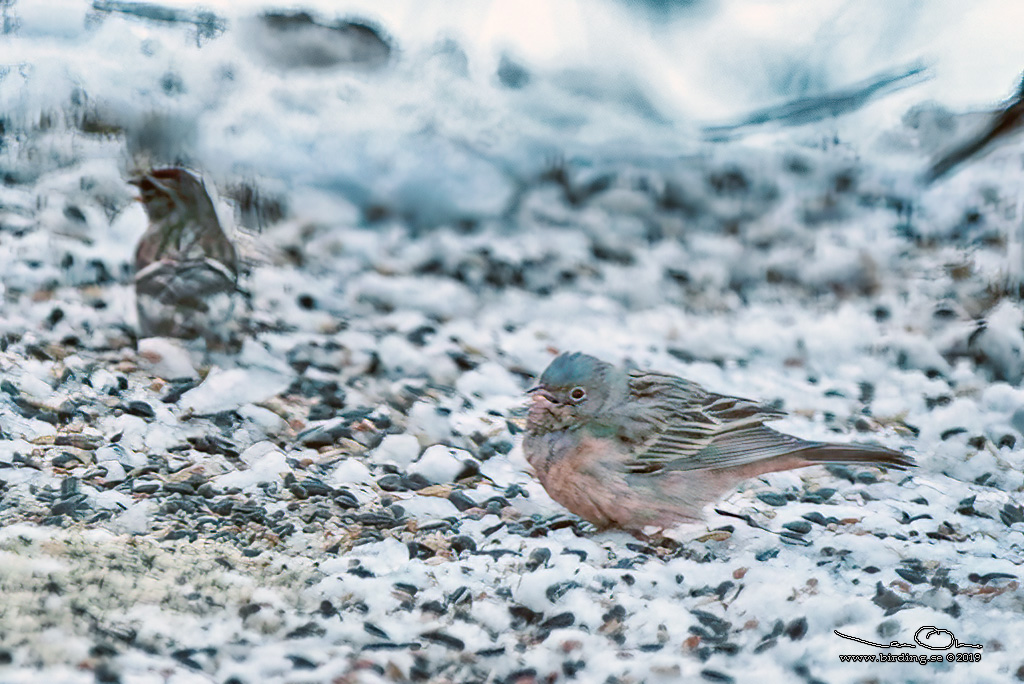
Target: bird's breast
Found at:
x=568, y=451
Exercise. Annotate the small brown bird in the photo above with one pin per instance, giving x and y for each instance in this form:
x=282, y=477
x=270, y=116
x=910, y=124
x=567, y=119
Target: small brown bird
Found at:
x=186, y=270
x=636, y=449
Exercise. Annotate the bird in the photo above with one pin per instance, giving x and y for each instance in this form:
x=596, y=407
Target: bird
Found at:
x=1001, y=124
x=635, y=449
x=186, y=269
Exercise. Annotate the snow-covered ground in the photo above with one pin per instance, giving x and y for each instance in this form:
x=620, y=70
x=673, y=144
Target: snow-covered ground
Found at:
x=432, y=200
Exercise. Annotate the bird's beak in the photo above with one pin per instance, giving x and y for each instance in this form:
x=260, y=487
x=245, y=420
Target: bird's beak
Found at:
x=541, y=391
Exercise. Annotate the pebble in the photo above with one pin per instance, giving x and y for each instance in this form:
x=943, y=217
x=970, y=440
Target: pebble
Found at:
x=461, y=501
x=773, y=499
x=538, y=557
x=462, y=543
x=139, y=408
x=444, y=639
x=798, y=526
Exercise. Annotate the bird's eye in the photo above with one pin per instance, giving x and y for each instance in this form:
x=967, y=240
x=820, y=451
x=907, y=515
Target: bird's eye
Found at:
x=578, y=394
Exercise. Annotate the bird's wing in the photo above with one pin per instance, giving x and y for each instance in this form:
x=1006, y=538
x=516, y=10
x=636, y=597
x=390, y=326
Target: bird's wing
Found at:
x=688, y=428
x=178, y=281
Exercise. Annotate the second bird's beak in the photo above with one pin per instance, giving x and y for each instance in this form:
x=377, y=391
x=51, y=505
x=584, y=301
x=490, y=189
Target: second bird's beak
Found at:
x=137, y=182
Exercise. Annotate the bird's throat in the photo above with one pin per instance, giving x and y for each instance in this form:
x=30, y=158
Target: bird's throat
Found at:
x=547, y=416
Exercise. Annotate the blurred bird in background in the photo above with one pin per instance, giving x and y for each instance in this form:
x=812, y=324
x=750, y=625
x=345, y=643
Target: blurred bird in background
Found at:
x=186, y=269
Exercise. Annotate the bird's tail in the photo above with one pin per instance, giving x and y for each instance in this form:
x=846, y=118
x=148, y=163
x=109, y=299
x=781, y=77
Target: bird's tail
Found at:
x=865, y=454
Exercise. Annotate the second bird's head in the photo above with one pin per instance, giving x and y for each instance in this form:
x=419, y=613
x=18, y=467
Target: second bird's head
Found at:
x=166, y=191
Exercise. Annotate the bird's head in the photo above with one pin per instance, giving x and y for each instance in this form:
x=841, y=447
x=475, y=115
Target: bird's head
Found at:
x=165, y=192
x=574, y=389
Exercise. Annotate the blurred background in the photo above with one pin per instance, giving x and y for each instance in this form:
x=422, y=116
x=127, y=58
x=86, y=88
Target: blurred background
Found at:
x=428, y=108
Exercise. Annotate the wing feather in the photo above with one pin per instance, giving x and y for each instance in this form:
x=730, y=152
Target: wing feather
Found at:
x=688, y=428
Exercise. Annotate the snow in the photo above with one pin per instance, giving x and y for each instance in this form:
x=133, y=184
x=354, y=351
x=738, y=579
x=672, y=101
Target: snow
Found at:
x=440, y=463
x=234, y=387
x=401, y=450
